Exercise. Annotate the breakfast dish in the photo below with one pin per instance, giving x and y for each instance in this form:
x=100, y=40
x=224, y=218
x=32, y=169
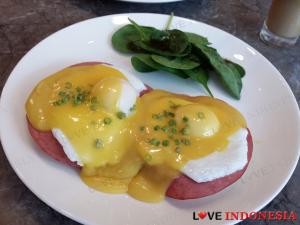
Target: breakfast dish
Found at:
x=266, y=97
x=126, y=137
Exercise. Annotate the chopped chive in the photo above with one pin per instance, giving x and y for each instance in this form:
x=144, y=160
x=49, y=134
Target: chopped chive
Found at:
x=173, y=105
x=165, y=129
x=98, y=143
x=173, y=130
x=185, y=119
x=200, y=115
x=120, y=115
x=78, y=89
x=171, y=114
x=68, y=85
x=184, y=131
x=154, y=141
x=172, y=122
x=132, y=108
x=62, y=93
x=142, y=128
x=185, y=141
x=107, y=120
x=165, y=143
x=64, y=100
x=157, y=116
x=177, y=142
x=156, y=128
x=56, y=103
x=168, y=114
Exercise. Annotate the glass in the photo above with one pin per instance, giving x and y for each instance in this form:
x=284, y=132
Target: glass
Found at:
x=282, y=27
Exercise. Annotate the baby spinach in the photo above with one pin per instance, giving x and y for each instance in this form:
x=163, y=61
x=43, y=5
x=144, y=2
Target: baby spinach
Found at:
x=172, y=41
x=196, y=39
x=229, y=76
x=139, y=64
x=148, y=48
x=238, y=67
x=182, y=63
x=124, y=39
x=141, y=61
x=200, y=75
x=184, y=54
x=178, y=41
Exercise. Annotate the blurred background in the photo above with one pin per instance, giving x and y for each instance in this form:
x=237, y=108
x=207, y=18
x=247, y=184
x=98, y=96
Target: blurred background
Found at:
x=23, y=23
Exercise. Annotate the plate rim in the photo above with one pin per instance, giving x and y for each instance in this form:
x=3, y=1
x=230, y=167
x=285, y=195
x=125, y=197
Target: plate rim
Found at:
x=80, y=219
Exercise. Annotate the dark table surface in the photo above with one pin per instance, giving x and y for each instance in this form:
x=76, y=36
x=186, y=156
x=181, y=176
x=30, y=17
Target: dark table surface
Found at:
x=23, y=23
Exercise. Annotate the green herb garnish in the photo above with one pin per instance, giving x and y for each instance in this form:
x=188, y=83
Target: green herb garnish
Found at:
x=172, y=122
x=156, y=128
x=173, y=130
x=154, y=141
x=183, y=54
x=120, y=115
x=107, y=120
x=132, y=108
x=185, y=119
x=157, y=116
x=165, y=129
x=165, y=143
x=185, y=141
x=184, y=131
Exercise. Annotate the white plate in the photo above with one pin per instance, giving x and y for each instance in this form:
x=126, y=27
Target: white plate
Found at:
x=267, y=103
x=150, y=1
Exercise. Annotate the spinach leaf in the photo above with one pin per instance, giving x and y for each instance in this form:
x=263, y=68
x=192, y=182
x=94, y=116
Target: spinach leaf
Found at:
x=178, y=41
x=182, y=63
x=148, y=48
x=140, y=30
x=238, y=67
x=139, y=59
x=174, y=41
x=196, y=39
x=139, y=65
x=229, y=76
x=200, y=75
x=123, y=40
x=177, y=52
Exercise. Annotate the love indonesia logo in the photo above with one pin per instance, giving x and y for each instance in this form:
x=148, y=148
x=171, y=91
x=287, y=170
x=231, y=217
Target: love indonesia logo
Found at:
x=264, y=215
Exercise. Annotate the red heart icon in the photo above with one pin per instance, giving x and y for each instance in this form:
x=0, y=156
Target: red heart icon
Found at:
x=202, y=215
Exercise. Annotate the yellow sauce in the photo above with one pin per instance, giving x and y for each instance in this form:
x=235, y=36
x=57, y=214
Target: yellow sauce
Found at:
x=142, y=153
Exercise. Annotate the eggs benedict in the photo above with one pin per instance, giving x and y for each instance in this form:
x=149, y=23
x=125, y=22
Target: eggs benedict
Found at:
x=127, y=138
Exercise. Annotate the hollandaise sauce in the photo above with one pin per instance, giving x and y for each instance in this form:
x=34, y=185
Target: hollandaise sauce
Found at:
x=139, y=151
